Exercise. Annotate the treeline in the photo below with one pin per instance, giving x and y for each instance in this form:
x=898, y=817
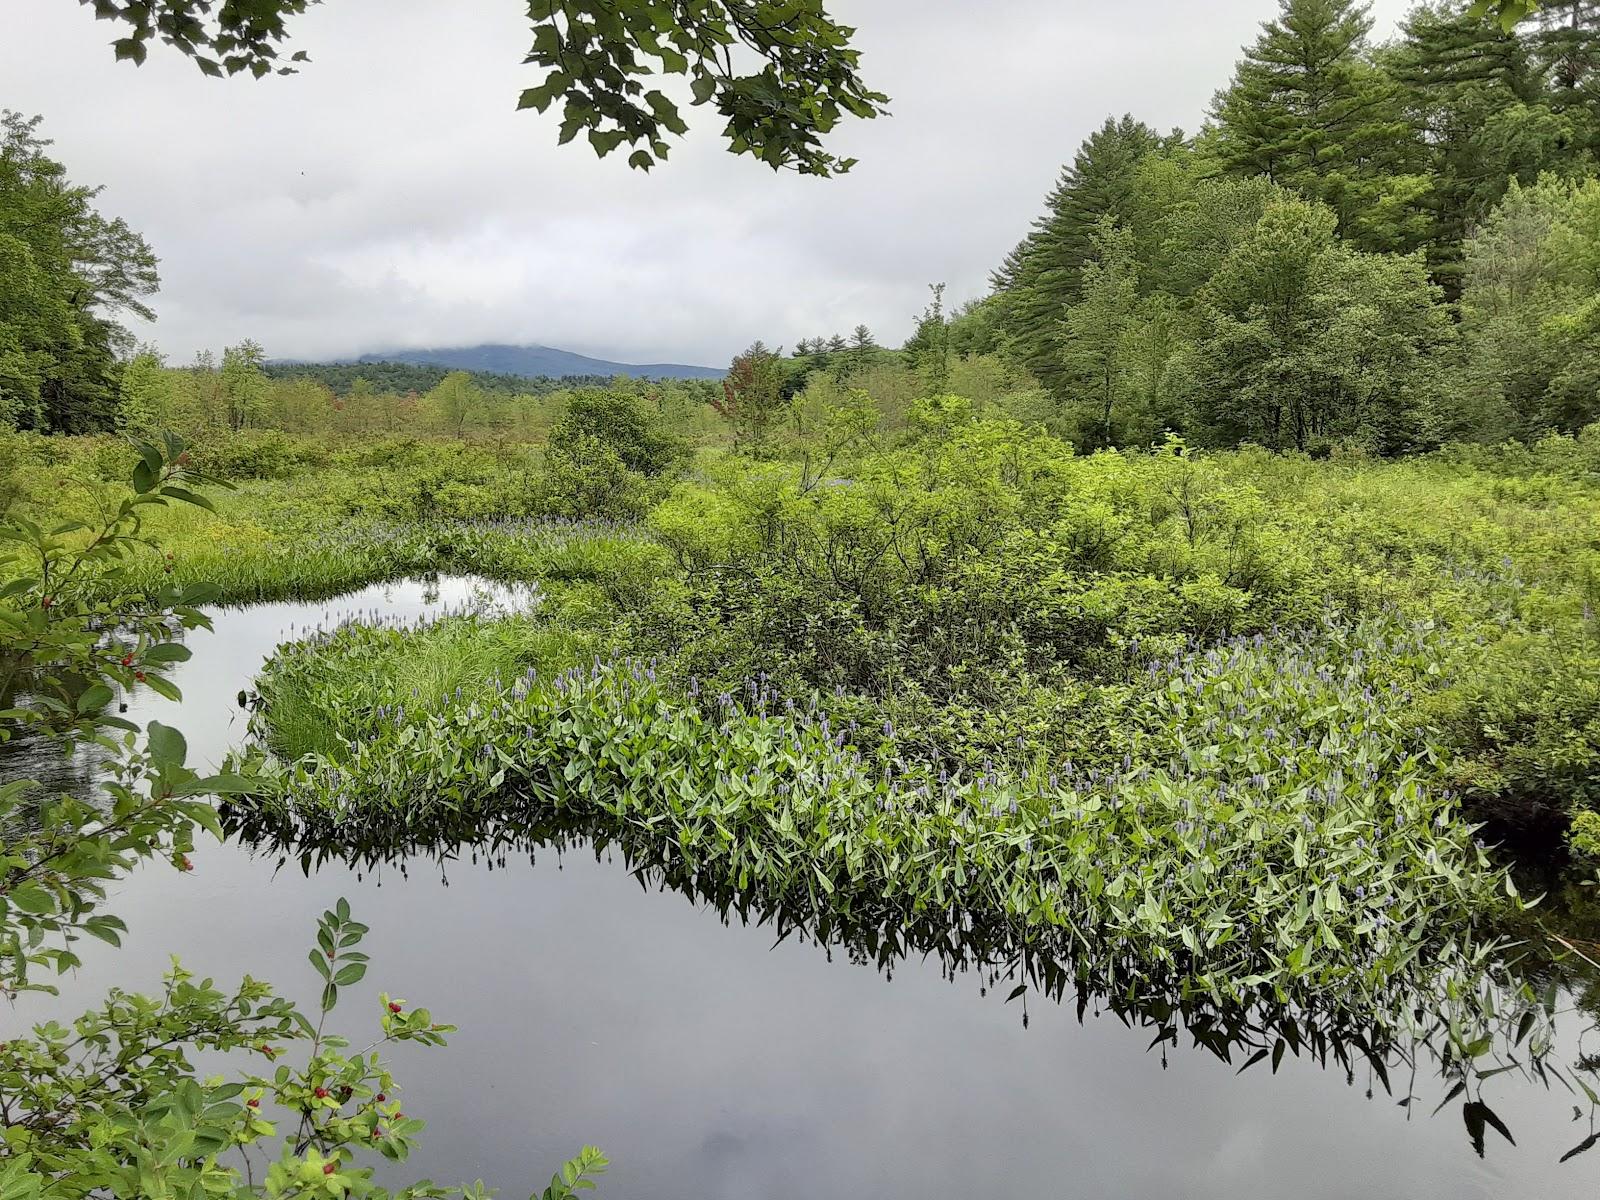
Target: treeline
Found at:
x=399, y=377
x=240, y=392
x=1386, y=246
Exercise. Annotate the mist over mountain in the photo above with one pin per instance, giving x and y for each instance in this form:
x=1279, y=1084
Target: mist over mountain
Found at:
x=536, y=361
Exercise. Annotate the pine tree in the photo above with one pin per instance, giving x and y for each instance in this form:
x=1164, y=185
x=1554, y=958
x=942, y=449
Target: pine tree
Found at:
x=1568, y=43
x=1466, y=81
x=1310, y=111
x=1042, y=276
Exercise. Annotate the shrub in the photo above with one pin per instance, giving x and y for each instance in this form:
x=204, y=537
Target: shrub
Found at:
x=617, y=422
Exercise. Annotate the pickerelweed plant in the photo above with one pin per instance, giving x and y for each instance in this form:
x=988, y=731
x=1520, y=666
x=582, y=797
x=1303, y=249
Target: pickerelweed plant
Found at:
x=1272, y=833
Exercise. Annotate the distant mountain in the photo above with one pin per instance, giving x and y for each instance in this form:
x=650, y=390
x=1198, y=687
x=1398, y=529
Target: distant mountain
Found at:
x=538, y=361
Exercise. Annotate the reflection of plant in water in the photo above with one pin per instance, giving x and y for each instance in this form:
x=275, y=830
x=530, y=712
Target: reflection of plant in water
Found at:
x=1271, y=832
x=1396, y=1050
x=112, y=1105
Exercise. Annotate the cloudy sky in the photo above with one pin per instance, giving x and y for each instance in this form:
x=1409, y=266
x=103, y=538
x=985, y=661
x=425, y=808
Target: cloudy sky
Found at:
x=390, y=195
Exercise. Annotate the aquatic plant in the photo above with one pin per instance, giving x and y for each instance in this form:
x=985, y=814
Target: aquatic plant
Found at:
x=1275, y=832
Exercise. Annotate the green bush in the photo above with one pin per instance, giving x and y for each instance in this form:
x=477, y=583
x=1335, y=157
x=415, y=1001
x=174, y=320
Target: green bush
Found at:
x=620, y=424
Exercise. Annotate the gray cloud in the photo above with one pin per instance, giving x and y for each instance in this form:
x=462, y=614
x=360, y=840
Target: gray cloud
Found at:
x=390, y=195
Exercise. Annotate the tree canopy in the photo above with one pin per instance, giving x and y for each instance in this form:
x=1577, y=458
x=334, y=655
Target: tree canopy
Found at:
x=782, y=73
x=66, y=273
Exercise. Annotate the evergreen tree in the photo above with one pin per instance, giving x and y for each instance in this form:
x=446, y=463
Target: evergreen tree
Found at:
x=753, y=393
x=929, y=345
x=1474, y=103
x=1568, y=45
x=861, y=339
x=1308, y=110
x=1042, y=276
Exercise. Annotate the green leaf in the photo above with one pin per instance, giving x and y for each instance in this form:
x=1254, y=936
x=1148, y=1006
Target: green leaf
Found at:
x=167, y=652
x=32, y=899
x=95, y=697
x=185, y=496
x=605, y=141
x=229, y=785
x=163, y=687
x=166, y=744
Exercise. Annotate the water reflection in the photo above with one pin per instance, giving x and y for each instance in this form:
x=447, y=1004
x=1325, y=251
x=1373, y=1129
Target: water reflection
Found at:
x=713, y=1050
x=1415, y=1068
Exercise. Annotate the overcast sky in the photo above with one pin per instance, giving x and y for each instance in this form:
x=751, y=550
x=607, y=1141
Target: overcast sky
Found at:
x=390, y=195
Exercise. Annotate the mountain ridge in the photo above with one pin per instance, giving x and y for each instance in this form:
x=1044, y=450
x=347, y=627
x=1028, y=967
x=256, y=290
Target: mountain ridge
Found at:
x=534, y=361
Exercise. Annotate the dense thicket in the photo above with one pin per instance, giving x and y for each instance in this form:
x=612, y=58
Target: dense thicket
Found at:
x=1376, y=246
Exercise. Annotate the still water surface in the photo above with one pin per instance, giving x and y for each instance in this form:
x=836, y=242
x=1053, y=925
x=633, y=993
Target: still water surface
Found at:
x=710, y=1062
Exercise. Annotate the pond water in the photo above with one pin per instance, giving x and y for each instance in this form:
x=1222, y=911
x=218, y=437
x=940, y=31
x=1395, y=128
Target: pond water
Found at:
x=710, y=1059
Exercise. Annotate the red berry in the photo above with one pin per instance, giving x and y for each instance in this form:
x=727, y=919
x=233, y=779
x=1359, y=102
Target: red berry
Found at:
x=127, y=660
x=139, y=675
x=184, y=864
x=329, y=1168
x=393, y=1007
x=253, y=1103
x=381, y=1097
x=321, y=1093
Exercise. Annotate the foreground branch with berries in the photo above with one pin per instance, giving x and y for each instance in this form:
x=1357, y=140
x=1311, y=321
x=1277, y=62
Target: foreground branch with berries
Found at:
x=112, y=1104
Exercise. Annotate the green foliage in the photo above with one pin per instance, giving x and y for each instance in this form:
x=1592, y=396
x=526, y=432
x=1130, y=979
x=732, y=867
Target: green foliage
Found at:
x=616, y=420
x=1310, y=112
x=113, y=1104
x=1306, y=341
x=1209, y=318
x=592, y=56
x=1472, y=93
x=65, y=272
x=1529, y=304
x=753, y=395
x=1042, y=276
x=1525, y=726
x=1333, y=840
x=399, y=378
